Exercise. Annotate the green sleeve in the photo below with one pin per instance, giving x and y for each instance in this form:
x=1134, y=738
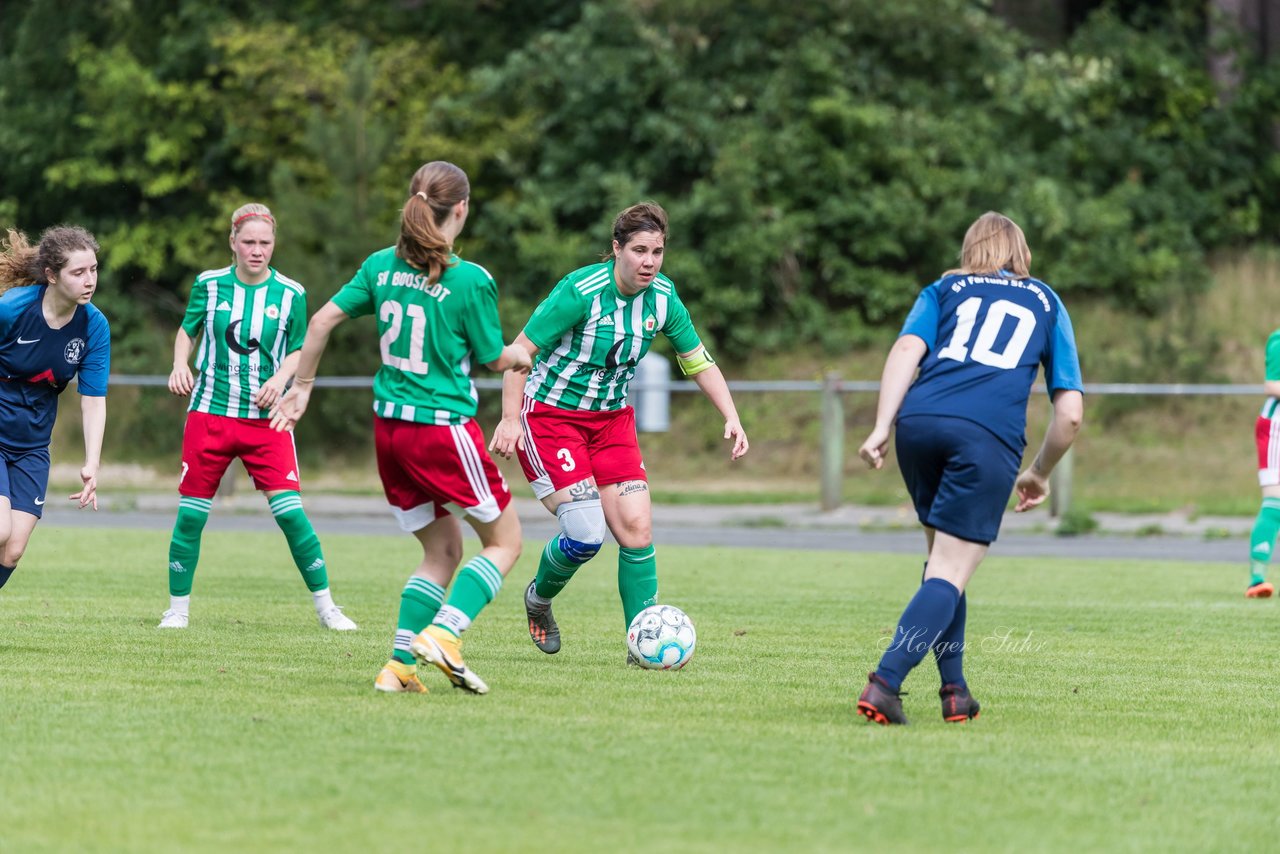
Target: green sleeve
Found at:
x=480, y=323
x=1273, y=356
x=679, y=327
x=197, y=307
x=562, y=310
x=296, y=330
x=355, y=298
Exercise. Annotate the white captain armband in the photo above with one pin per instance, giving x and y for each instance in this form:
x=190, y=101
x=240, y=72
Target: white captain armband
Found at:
x=696, y=363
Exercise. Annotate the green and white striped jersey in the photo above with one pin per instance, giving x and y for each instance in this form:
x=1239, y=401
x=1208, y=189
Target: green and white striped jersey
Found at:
x=248, y=330
x=428, y=335
x=590, y=337
x=1273, y=372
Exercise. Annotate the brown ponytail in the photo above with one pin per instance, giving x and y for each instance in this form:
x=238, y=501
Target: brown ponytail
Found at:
x=23, y=264
x=434, y=191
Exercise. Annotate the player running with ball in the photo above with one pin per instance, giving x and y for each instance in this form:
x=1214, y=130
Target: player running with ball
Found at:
x=570, y=422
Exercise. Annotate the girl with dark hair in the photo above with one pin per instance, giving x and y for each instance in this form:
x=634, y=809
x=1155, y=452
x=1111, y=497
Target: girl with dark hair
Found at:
x=570, y=422
x=49, y=334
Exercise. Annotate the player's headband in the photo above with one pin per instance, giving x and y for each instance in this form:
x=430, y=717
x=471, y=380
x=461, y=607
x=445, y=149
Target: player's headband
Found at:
x=235, y=223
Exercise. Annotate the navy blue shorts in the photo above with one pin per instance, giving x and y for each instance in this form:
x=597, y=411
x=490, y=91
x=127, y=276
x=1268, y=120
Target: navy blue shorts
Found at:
x=24, y=476
x=958, y=473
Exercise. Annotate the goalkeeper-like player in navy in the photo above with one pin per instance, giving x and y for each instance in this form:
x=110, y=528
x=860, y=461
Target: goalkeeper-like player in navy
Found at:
x=956, y=383
x=49, y=334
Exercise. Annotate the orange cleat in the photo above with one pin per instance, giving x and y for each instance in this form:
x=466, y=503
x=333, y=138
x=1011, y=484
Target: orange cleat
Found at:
x=1261, y=590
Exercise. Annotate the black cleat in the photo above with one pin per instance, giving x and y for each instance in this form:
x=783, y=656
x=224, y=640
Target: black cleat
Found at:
x=542, y=626
x=958, y=704
x=880, y=703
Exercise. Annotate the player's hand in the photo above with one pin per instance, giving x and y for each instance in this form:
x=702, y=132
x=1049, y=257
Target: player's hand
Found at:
x=88, y=496
x=508, y=436
x=181, y=380
x=1032, y=489
x=290, y=408
x=268, y=393
x=733, y=430
x=875, y=448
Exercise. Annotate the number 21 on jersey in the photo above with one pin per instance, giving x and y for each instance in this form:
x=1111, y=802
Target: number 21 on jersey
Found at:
x=392, y=313
x=967, y=314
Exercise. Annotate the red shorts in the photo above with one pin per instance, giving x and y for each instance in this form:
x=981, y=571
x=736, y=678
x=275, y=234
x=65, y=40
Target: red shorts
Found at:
x=1267, y=434
x=430, y=470
x=211, y=442
x=565, y=446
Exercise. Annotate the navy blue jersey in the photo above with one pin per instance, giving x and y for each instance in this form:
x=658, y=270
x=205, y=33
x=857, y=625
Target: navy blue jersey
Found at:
x=37, y=362
x=987, y=336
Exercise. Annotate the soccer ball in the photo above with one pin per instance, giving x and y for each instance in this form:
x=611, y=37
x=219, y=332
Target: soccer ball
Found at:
x=661, y=637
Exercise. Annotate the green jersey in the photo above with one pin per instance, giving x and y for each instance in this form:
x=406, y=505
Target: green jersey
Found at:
x=590, y=336
x=1273, y=372
x=248, y=330
x=428, y=335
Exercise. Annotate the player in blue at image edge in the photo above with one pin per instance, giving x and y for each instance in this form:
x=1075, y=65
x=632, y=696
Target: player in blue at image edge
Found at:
x=956, y=384
x=49, y=334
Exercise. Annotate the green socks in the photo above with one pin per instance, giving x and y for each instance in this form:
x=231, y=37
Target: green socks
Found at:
x=555, y=568
x=419, y=602
x=1263, y=539
x=184, y=547
x=475, y=586
x=304, y=545
x=637, y=580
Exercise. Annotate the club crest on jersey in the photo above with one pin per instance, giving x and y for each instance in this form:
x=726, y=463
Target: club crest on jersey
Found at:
x=650, y=323
x=273, y=312
x=74, y=350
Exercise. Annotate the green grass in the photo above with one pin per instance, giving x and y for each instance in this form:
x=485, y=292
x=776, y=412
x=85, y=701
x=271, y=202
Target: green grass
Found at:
x=1126, y=706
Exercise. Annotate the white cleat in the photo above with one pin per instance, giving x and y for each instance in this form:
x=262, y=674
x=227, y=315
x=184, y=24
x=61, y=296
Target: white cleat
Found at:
x=173, y=620
x=336, y=620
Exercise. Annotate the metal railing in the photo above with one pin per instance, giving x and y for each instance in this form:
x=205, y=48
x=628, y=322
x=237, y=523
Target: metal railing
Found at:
x=832, y=389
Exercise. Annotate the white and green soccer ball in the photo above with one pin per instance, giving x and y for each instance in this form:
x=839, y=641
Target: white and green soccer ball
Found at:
x=661, y=637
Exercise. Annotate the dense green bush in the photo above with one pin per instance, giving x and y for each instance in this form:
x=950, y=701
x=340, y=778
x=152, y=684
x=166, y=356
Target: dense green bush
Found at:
x=820, y=161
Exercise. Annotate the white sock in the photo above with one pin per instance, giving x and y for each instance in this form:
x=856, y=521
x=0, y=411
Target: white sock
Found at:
x=452, y=619
x=180, y=604
x=324, y=600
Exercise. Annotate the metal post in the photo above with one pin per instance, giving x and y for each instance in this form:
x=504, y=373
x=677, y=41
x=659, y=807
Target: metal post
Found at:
x=832, y=441
x=1060, y=486
x=651, y=394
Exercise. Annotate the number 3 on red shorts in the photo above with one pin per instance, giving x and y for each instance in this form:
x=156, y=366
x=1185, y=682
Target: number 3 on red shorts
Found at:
x=568, y=464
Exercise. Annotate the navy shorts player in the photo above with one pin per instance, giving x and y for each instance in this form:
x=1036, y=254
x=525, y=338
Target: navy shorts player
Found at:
x=50, y=334
x=957, y=382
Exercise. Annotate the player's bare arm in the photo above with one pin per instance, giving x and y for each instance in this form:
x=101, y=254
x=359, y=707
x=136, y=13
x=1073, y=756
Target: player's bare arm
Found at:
x=291, y=407
x=899, y=370
x=707, y=375
x=93, y=414
x=181, y=380
x=273, y=389
x=1032, y=485
x=508, y=436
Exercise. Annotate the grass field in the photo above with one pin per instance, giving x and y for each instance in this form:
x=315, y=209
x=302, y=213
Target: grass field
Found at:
x=1126, y=706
